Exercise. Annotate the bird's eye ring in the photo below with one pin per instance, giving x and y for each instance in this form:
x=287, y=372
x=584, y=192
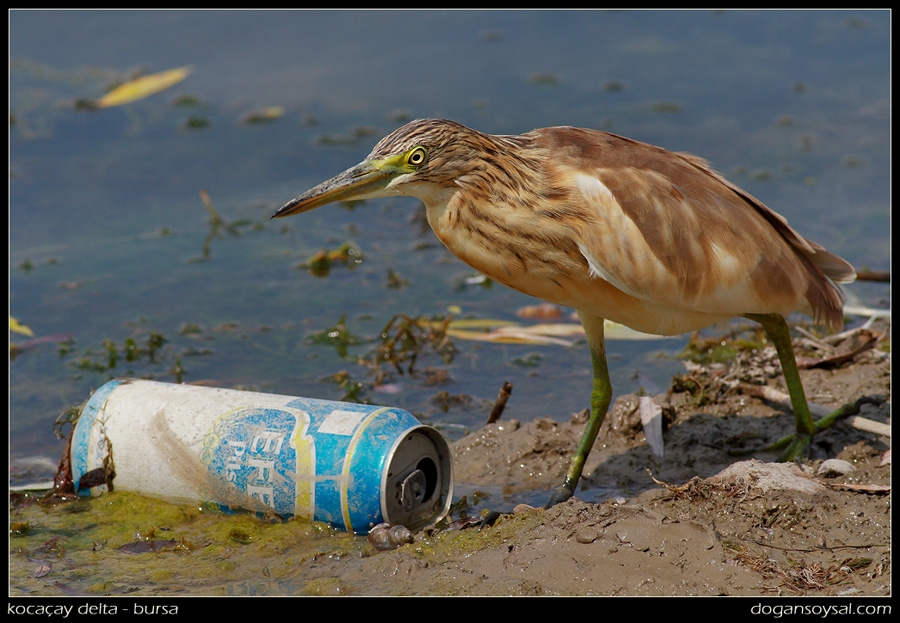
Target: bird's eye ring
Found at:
x=417, y=157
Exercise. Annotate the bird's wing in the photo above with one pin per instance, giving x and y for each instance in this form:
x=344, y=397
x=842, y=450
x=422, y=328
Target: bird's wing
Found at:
x=834, y=267
x=666, y=229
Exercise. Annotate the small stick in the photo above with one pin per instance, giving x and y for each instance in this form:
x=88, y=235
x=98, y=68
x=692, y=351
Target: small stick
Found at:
x=502, y=397
x=873, y=275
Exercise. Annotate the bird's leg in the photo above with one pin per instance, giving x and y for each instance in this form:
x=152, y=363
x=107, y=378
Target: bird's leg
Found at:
x=600, y=398
x=777, y=330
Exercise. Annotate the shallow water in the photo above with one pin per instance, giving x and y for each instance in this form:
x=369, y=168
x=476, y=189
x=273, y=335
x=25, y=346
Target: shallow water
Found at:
x=110, y=240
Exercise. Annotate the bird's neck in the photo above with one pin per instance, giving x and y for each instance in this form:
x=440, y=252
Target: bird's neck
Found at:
x=505, y=171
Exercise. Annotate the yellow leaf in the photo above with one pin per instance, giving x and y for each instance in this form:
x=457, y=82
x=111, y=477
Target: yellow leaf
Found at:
x=15, y=327
x=142, y=87
x=501, y=331
x=564, y=329
x=480, y=323
x=506, y=336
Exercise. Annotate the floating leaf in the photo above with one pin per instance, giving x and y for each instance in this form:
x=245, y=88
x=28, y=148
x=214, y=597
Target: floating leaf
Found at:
x=479, y=323
x=507, y=335
x=505, y=332
x=142, y=87
x=564, y=329
x=16, y=327
x=264, y=115
x=195, y=122
x=320, y=263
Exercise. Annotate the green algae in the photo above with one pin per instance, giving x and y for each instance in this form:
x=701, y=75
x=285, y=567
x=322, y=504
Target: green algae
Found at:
x=450, y=543
x=327, y=587
x=124, y=543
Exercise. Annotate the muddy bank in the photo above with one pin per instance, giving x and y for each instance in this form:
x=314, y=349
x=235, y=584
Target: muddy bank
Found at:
x=711, y=524
x=699, y=520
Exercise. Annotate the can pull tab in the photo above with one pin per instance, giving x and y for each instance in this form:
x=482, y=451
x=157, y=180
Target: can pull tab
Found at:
x=412, y=490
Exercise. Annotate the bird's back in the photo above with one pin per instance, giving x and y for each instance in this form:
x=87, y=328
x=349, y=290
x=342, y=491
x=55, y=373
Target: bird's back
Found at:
x=669, y=230
x=631, y=232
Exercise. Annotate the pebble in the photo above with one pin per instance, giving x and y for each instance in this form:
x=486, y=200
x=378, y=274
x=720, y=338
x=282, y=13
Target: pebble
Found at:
x=834, y=467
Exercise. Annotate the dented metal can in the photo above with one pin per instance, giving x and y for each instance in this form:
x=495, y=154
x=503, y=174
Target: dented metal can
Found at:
x=351, y=465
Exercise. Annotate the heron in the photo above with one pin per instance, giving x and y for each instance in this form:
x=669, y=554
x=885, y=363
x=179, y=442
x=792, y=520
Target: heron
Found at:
x=614, y=228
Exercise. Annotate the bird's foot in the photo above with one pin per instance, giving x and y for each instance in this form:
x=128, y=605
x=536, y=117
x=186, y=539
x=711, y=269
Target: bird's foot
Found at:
x=798, y=448
x=797, y=445
x=561, y=494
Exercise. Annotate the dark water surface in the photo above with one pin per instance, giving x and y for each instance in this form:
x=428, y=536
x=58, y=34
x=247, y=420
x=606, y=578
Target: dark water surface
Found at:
x=108, y=229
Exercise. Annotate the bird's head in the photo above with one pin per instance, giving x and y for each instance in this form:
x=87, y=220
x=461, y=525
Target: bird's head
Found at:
x=417, y=159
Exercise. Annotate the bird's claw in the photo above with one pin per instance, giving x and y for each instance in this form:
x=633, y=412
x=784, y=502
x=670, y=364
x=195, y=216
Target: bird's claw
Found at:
x=797, y=445
x=561, y=494
x=798, y=448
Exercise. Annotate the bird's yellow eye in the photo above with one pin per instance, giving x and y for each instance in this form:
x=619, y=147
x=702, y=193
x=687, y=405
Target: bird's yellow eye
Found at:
x=417, y=157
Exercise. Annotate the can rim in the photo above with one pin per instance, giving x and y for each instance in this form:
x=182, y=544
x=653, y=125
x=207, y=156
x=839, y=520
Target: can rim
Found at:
x=446, y=473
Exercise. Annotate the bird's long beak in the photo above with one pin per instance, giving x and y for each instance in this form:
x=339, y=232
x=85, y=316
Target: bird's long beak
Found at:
x=359, y=182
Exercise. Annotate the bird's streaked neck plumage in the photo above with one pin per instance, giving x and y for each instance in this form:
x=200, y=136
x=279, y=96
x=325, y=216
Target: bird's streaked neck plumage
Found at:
x=460, y=156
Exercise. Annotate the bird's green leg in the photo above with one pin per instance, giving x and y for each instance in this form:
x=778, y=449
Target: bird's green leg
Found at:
x=600, y=398
x=797, y=445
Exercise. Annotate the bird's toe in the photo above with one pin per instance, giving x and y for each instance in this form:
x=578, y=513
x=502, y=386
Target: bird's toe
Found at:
x=560, y=494
x=798, y=448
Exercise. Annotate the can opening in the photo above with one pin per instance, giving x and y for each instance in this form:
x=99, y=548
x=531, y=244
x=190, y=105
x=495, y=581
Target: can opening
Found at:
x=419, y=480
x=427, y=467
x=419, y=485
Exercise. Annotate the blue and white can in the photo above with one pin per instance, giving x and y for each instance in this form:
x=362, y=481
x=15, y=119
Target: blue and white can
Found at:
x=351, y=465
